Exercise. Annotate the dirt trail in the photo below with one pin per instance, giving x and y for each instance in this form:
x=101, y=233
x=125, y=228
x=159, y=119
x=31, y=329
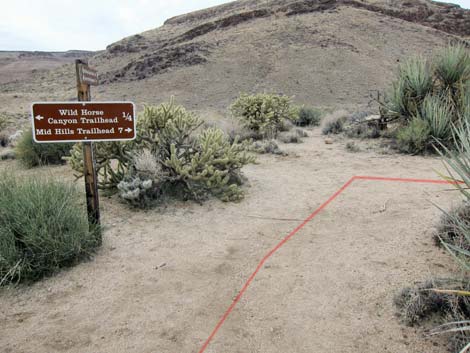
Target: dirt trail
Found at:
x=164, y=278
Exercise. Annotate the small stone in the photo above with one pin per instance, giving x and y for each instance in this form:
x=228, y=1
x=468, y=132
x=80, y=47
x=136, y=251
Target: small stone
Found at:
x=329, y=141
x=7, y=154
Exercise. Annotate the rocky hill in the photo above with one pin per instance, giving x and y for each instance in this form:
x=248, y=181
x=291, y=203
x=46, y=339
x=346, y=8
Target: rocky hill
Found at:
x=20, y=65
x=324, y=52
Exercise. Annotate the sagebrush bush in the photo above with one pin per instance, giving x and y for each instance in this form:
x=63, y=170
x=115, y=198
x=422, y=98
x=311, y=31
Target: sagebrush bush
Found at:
x=334, y=123
x=194, y=162
x=309, y=117
x=414, y=138
x=43, y=228
x=263, y=113
x=32, y=154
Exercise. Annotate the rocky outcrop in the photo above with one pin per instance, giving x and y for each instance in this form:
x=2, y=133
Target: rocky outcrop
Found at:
x=182, y=50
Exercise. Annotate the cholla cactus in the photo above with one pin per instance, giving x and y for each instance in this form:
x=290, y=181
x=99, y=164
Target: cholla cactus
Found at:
x=138, y=192
x=168, y=156
x=264, y=113
x=113, y=160
x=143, y=184
x=210, y=166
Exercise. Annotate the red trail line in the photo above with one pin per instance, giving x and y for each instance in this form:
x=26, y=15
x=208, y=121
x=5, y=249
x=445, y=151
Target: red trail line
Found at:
x=295, y=231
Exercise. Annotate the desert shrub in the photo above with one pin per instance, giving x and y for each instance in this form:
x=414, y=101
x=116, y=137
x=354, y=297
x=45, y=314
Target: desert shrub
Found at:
x=424, y=300
x=193, y=161
x=294, y=136
x=362, y=130
x=334, y=123
x=285, y=125
x=414, y=138
x=454, y=227
x=43, y=227
x=309, y=117
x=263, y=113
x=32, y=154
x=267, y=147
x=437, y=91
x=352, y=147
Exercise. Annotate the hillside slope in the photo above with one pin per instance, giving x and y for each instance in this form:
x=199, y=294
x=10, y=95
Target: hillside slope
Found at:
x=324, y=52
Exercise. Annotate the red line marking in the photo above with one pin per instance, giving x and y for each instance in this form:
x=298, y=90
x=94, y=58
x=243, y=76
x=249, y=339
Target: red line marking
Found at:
x=296, y=230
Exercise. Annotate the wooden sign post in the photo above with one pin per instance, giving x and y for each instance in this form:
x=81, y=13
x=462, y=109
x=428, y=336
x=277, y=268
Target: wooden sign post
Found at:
x=89, y=164
x=84, y=122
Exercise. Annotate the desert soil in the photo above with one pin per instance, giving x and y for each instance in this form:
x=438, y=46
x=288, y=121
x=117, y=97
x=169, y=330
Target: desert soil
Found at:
x=163, y=278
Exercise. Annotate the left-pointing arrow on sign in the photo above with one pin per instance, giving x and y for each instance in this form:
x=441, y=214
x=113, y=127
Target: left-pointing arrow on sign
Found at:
x=39, y=117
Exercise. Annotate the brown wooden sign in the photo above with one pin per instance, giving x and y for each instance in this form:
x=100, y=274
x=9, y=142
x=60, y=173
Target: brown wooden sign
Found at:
x=88, y=75
x=83, y=121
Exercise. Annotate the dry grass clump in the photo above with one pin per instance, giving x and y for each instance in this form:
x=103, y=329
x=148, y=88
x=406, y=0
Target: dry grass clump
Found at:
x=452, y=226
x=437, y=300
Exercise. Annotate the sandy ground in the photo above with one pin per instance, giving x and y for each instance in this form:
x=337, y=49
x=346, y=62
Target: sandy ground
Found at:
x=164, y=278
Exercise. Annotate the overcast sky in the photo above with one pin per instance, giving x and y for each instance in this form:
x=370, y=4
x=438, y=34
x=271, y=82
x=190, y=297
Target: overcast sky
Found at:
x=58, y=25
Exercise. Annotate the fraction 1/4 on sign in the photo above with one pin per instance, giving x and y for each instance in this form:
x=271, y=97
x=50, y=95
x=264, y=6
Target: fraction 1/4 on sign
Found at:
x=87, y=121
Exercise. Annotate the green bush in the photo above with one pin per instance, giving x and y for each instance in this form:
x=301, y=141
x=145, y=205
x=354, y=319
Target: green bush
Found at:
x=414, y=138
x=43, y=228
x=192, y=162
x=309, y=117
x=32, y=154
x=263, y=113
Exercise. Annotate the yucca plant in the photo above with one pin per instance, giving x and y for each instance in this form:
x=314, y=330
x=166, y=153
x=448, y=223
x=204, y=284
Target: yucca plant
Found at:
x=436, y=91
x=437, y=112
x=457, y=163
x=452, y=66
x=414, y=82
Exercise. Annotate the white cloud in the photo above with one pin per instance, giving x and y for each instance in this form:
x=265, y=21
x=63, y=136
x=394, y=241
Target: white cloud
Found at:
x=88, y=24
